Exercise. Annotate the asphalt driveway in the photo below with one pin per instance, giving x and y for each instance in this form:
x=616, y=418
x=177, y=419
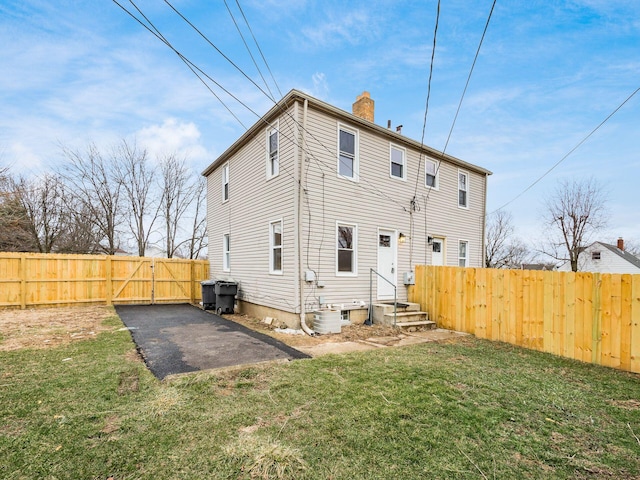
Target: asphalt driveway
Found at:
x=183, y=338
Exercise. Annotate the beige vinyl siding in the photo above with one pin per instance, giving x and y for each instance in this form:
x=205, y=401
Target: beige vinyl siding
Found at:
x=379, y=201
x=255, y=202
x=375, y=201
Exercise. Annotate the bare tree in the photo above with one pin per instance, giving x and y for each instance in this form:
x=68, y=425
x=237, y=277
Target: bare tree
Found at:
x=137, y=181
x=81, y=234
x=45, y=208
x=198, y=241
x=14, y=224
x=94, y=186
x=573, y=214
x=177, y=194
x=503, y=248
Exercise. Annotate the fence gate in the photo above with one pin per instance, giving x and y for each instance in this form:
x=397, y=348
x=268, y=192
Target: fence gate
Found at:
x=152, y=280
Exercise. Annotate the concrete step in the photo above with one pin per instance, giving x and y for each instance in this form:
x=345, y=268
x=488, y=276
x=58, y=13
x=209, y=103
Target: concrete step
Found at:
x=421, y=325
x=406, y=317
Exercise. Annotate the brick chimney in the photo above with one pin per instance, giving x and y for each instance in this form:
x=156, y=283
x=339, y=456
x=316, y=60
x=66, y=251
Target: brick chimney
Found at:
x=363, y=106
x=621, y=243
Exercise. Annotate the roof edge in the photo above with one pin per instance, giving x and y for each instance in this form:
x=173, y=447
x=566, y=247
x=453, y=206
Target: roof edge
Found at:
x=297, y=95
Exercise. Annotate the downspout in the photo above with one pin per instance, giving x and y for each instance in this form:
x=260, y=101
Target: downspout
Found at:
x=483, y=260
x=300, y=213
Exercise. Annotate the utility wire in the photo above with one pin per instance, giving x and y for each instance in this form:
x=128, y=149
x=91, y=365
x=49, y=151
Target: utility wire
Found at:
x=188, y=62
x=469, y=77
x=248, y=50
x=259, y=49
x=426, y=108
x=484, y=32
x=372, y=188
x=578, y=145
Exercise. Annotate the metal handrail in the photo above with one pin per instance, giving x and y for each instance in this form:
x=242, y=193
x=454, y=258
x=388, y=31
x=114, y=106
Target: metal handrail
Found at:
x=395, y=298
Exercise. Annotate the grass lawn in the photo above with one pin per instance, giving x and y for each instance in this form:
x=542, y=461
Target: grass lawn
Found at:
x=466, y=409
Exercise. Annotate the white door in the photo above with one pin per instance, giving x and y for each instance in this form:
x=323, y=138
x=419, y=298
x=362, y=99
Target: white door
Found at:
x=437, y=252
x=387, y=242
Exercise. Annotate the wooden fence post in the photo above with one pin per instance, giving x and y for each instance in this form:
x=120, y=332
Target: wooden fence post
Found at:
x=109, y=285
x=23, y=281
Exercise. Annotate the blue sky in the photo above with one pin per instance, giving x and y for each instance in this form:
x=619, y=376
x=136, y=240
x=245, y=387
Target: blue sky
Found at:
x=548, y=73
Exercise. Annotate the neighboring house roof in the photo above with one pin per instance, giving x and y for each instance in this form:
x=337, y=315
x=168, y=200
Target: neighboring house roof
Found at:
x=632, y=259
x=296, y=95
x=538, y=266
x=616, y=259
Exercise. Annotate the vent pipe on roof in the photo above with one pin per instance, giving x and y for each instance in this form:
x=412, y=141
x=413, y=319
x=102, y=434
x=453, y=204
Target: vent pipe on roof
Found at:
x=399, y=129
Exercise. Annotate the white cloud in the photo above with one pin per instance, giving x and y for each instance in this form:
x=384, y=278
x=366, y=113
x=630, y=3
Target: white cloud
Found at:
x=320, y=85
x=353, y=27
x=173, y=136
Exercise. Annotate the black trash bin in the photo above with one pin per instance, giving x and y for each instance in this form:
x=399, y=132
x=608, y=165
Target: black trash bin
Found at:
x=208, y=294
x=225, y=296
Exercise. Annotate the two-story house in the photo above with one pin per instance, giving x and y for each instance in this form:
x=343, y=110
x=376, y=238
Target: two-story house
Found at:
x=314, y=205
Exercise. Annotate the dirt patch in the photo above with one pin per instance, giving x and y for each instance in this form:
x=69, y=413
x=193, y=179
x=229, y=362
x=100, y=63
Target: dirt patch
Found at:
x=350, y=333
x=50, y=327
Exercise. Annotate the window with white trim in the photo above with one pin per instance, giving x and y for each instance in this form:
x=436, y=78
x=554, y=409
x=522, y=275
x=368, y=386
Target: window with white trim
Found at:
x=595, y=255
x=226, y=252
x=346, y=254
x=275, y=243
x=273, y=152
x=348, y=153
x=225, y=182
x=463, y=253
x=463, y=189
x=398, y=163
x=431, y=174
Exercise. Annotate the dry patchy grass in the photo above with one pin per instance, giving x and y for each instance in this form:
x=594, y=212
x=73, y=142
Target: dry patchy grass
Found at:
x=51, y=327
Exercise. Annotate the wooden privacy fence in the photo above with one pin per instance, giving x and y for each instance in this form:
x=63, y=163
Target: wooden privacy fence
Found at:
x=593, y=317
x=28, y=280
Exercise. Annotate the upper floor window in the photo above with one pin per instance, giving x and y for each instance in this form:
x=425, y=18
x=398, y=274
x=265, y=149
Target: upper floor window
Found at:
x=595, y=255
x=463, y=189
x=226, y=252
x=273, y=160
x=346, y=254
x=398, y=163
x=463, y=253
x=225, y=182
x=348, y=153
x=275, y=265
x=431, y=174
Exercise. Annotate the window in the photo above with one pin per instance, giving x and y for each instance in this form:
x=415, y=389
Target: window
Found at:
x=348, y=154
x=226, y=252
x=595, y=255
x=225, y=182
x=273, y=161
x=463, y=189
x=346, y=249
x=398, y=169
x=275, y=265
x=431, y=174
x=463, y=254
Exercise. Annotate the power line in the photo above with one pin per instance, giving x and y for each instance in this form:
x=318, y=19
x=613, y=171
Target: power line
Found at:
x=469, y=77
x=248, y=49
x=188, y=62
x=259, y=49
x=426, y=108
x=372, y=188
x=578, y=145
